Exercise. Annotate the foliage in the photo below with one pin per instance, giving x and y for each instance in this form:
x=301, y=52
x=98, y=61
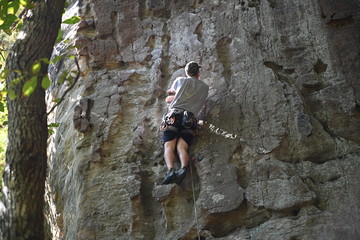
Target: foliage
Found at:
x=11, y=12
x=9, y=26
x=9, y=9
x=5, y=44
x=72, y=20
x=3, y=141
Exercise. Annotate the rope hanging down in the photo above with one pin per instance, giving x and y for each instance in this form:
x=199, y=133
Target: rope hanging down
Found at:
x=217, y=131
x=194, y=199
x=227, y=135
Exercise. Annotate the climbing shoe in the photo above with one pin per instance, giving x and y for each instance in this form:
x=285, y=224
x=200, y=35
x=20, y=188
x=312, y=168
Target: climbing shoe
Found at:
x=180, y=175
x=170, y=177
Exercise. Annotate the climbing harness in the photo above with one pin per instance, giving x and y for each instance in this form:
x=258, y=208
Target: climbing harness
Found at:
x=180, y=119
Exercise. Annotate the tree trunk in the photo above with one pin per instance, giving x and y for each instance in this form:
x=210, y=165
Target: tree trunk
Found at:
x=22, y=215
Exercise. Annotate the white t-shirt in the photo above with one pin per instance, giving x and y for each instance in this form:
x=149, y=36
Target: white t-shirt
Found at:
x=191, y=94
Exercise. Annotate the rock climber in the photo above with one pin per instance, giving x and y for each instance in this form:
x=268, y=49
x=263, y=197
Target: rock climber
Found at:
x=185, y=99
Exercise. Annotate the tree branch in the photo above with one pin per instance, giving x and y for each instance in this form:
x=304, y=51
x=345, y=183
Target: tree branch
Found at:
x=13, y=26
x=2, y=56
x=69, y=88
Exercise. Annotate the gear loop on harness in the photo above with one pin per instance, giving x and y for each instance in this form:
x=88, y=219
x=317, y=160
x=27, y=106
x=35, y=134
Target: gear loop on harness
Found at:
x=184, y=120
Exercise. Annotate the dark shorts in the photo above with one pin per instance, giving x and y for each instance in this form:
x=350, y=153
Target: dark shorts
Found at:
x=174, y=125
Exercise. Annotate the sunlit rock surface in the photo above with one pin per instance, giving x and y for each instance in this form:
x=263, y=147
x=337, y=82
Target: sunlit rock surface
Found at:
x=282, y=158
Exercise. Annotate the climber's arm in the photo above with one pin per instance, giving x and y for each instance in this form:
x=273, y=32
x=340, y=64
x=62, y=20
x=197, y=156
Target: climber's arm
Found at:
x=171, y=94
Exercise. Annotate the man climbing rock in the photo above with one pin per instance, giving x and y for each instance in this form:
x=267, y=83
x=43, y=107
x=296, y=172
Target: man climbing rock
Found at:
x=186, y=97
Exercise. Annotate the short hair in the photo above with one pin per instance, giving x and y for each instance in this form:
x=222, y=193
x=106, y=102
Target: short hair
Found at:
x=192, y=68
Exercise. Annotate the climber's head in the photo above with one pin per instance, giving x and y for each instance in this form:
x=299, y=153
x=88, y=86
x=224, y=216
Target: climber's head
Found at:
x=192, y=69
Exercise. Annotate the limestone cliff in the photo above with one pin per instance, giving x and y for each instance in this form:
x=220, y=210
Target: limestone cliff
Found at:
x=284, y=79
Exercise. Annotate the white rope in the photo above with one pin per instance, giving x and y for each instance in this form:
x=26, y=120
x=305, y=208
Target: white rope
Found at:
x=195, y=210
x=221, y=132
x=225, y=134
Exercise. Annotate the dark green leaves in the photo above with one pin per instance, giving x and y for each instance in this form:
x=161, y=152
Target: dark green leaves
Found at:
x=51, y=126
x=45, y=82
x=8, y=13
x=59, y=37
x=26, y=3
x=54, y=125
x=30, y=85
x=7, y=22
x=56, y=100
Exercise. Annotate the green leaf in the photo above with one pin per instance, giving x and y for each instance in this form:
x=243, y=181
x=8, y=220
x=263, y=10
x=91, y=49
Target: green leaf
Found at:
x=3, y=7
x=58, y=58
x=29, y=86
x=59, y=37
x=62, y=77
x=4, y=74
x=57, y=100
x=72, y=20
x=13, y=7
x=45, y=82
x=11, y=94
x=27, y=4
x=15, y=81
x=8, y=21
x=45, y=60
x=54, y=125
x=2, y=108
x=24, y=2
x=36, y=68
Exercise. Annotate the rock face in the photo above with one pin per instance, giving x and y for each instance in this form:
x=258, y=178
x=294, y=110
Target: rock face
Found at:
x=281, y=158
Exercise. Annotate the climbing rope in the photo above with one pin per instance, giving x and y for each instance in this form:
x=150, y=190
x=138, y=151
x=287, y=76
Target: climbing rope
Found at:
x=194, y=199
x=227, y=135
